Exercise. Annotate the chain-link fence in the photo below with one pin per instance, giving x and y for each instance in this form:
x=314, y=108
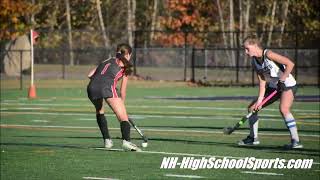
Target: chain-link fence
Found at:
x=211, y=66
x=211, y=62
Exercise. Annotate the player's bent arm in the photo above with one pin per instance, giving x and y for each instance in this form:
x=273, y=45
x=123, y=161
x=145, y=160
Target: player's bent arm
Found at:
x=262, y=86
x=282, y=60
x=123, y=88
x=262, y=90
x=91, y=73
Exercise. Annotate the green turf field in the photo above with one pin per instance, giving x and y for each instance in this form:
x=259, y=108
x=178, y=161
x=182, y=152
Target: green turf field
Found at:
x=56, y=136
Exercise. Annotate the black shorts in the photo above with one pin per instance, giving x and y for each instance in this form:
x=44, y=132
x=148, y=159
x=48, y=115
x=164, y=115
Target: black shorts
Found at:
x=277, y=96
x=105, y=92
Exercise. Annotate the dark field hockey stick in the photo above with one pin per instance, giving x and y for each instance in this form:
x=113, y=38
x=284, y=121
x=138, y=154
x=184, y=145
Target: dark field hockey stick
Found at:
x=145, y=139
x=229, y=130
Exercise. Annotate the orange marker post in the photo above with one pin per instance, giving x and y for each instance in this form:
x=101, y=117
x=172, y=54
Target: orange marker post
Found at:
x=32, y=90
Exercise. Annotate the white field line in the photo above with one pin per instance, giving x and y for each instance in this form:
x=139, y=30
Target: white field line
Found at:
x=218, y=132
x=262, y=173
x=24, y=99
x=173, y=153
x=151, y=116
x=224, y=118
x=136, y=99
x=31, y=108
x=156, y=106
x=150, y=152
x=157, y=116
x=99, y=178
x=184, y=176
x=10, y=100
x=181, y=117
x=86, y=119
x=180, y=154
x=39, y=120
x=156, y=130
x=46, y=100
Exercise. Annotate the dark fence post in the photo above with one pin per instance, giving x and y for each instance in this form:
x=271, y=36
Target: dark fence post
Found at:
x=63, y=65
x=296, y=55
x=135, y=54
x=237, y=58
x=185, y=57
x=318, y=67
x=21, y=78
x=192, y=66
x=205, y=64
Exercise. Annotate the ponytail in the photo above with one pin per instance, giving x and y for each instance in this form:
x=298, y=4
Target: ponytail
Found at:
x=122, y=50
x=126, y=63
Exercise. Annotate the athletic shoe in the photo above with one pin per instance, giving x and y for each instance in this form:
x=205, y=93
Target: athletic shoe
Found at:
x=294, y=145
x=108, y=143
x=249, y=141
x=129, y=146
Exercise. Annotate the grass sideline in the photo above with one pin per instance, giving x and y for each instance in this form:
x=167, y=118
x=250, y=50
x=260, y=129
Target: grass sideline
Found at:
x=56, y=137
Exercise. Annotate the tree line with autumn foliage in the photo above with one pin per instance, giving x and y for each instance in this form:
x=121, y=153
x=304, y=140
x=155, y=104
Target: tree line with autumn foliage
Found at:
x=163, y=22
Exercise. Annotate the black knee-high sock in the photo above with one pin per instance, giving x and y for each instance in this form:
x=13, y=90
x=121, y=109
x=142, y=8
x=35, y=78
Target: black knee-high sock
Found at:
x=103, y=125
x=125, y=130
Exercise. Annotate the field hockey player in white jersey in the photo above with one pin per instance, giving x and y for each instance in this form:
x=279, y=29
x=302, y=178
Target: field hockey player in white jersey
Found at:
x=274, y=73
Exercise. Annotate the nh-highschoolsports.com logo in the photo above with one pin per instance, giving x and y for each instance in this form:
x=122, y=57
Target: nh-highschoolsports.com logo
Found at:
x=229, y=163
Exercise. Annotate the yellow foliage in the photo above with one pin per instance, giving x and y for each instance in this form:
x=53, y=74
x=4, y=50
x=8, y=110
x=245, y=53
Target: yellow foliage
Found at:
x=13, y=17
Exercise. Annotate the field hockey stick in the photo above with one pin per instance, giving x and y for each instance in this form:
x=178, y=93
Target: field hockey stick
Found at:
x=229, y=130
x=145, y=139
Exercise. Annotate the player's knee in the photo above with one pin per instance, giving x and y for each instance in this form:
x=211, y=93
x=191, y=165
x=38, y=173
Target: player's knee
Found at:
x=100, y=111
x=123, y=117
x=284, y=111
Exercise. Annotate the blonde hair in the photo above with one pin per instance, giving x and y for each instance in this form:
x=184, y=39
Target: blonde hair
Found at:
x=252, y=39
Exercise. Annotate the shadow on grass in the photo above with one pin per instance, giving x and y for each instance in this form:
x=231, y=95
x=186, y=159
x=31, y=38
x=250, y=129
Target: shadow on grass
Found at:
x=149, y=138
x=281, y=149
x=43, y=145
x=58, y=137
x=190, y=141
x=173, y=140
x=221, y=128
x=265, y=148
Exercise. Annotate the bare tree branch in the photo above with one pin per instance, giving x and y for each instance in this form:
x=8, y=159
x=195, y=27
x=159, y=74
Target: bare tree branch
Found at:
x=102, y=27
x=69, y=32
x=284, y=19
x=274, y=6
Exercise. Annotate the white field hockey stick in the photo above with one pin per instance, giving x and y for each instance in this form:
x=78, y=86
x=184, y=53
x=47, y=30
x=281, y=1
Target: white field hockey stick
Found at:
x=145, y=139
x=229, y=130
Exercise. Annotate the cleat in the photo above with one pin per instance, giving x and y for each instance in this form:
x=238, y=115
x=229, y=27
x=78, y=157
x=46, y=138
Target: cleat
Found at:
x=249, y=141
x=108, y=143
x=294, y=145
x=129, y=146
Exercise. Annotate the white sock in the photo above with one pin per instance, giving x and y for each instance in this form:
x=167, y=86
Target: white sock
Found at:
x=254, y=123
x=291, y=125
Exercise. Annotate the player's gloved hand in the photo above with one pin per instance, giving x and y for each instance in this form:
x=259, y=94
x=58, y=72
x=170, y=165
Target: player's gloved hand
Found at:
x=281, y=86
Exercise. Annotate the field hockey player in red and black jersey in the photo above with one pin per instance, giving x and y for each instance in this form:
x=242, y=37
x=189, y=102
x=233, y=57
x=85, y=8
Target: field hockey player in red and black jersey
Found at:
x=103, y=88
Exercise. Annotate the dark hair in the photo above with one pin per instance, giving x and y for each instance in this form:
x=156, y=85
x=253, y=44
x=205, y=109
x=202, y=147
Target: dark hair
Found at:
x=122, y=50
